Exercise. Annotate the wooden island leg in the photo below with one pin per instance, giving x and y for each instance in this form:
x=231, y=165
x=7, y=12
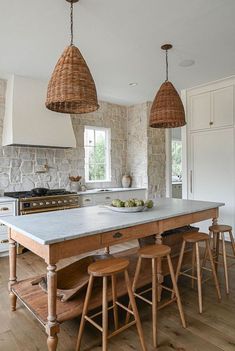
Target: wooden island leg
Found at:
x=52, y=327
x=12, y=266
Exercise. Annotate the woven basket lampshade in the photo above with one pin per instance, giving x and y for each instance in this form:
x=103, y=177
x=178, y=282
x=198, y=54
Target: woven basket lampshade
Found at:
x=167, y=109
x=71, y=88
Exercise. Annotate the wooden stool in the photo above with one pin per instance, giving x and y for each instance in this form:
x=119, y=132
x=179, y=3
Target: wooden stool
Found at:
x=217, y=233
x=156, y=253
x=195, y=239
x=104, y=269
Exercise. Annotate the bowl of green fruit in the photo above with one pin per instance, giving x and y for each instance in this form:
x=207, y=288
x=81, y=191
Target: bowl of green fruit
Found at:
x=130, y=206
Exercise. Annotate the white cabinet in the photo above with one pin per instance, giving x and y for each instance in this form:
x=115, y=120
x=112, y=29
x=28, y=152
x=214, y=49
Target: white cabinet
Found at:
x=7, y=208
x=209, y=110
x=105, y=198
x=211, y=146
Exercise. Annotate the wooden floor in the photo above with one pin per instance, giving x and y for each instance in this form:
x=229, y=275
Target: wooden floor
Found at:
x=214, y=330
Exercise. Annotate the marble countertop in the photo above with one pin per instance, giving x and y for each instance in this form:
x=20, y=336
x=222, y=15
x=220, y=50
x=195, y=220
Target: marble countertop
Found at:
x=51, y=227
x=111, y=190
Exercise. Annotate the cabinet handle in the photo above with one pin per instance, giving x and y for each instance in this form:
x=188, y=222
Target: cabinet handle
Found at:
x=5, y=241
x=211, y=123
x=108, y=198
x=2, y=225
x=87, y=200
x=4, y=209
x=191, y=182
x=117, y=235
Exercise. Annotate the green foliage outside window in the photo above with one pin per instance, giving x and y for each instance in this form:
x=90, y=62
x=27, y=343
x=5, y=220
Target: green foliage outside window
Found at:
x=177, y=158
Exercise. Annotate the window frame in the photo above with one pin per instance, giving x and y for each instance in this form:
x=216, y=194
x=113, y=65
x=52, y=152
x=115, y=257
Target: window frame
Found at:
x=107, y=162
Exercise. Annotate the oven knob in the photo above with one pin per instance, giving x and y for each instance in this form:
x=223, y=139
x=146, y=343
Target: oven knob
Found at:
x=47, y=203
x=34, y=204
x=53, y=202
x=41, y=203
x=65, y=201
x=59, y=202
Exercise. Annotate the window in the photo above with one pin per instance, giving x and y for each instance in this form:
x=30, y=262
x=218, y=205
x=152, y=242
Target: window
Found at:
x=177, y=159
x=97, y=154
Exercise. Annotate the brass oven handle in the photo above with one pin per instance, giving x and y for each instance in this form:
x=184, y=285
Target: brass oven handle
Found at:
x=5, y=241
x=4, y=209
x=117, y=235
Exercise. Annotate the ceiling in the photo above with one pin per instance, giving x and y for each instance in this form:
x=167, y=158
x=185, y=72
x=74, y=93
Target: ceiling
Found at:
x=120, y=40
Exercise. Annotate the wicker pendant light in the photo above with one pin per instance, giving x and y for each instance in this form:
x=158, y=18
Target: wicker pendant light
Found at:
x=167, y=110
x=71, y=88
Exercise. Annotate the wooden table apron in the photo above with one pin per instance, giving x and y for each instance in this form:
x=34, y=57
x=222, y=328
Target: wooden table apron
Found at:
x=54, y=252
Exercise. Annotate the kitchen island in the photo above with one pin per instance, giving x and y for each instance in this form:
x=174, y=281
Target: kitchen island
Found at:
x=57, y=235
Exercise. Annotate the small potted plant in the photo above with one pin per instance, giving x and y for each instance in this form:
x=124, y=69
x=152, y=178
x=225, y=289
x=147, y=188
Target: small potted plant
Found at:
x=75, y=183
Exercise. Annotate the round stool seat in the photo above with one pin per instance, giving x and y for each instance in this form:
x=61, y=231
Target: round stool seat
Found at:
x=152, y=251
x=220, y=228
x=195, y=237
x=104, y=268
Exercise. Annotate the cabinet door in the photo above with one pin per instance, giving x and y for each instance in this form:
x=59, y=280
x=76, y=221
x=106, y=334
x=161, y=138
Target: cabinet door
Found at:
x=200, y=111
x=222, y=107
x=212, y=157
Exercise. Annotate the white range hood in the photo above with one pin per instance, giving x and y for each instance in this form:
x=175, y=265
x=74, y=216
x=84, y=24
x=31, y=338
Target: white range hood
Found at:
x=28, y=122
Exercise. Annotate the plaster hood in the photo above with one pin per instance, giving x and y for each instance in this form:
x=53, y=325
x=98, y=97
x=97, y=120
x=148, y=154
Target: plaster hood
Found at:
x=28, y=122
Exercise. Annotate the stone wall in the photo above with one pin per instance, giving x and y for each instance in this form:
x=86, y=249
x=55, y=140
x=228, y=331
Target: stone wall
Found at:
x=18, y=165
x=135, y=149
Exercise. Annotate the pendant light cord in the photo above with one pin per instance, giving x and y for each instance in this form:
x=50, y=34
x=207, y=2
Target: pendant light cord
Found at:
x=71, y=23
x=166, y=65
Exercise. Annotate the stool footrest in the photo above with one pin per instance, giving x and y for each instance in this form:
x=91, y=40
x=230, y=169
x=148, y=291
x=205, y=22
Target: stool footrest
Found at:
x=88, y=319
x=121, y=329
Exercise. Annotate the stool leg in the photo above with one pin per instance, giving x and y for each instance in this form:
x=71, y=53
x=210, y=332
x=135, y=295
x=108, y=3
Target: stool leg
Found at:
x=115, y=308
x=225, y=263
x=154, y=300
x=199, y=278
x=84, y=312
x=232, y=241
x=179, y=264
x=213, y=271
x=105, y=315
x=217, y=250
x=193, y=266
x=176, y=291
x=135, y=311
x=206, y=253
x=136, y=277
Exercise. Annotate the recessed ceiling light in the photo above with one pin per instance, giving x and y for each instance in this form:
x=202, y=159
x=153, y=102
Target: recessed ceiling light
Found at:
x=187, y=63
x=133, y=84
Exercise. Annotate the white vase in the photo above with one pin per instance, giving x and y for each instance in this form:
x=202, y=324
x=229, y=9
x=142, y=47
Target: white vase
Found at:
x=126, y=181
x=75, y=186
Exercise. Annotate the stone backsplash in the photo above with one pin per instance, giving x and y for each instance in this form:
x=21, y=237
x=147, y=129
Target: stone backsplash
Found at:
x=135, y=149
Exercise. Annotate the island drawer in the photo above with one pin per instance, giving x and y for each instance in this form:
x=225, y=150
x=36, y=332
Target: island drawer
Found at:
x=3, y=229
x=7, y=209
x=140, y=231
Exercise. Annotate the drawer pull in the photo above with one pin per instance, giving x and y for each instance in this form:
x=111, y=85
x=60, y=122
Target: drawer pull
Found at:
x=108, y=198
x=4, y=209
x=117, y=235
x=2, y=225
x=87, y=200
x=5, y=241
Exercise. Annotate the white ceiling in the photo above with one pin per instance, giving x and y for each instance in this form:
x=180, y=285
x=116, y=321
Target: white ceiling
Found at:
x=120, y=40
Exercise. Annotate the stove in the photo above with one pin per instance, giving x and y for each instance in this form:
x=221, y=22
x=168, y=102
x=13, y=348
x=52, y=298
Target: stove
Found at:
x=53, y=200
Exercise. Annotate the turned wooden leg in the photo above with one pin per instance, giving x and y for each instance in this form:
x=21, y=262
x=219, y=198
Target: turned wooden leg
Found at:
x=213, y=271
x=105, y=315
x=115, y=308
x=12, y=277
x=176, y=291
x=232, y=241
x=52, y=327
x=199, y=278
x=225, y=263
x=154, y=301
x=84, y=312
x=135, y=311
